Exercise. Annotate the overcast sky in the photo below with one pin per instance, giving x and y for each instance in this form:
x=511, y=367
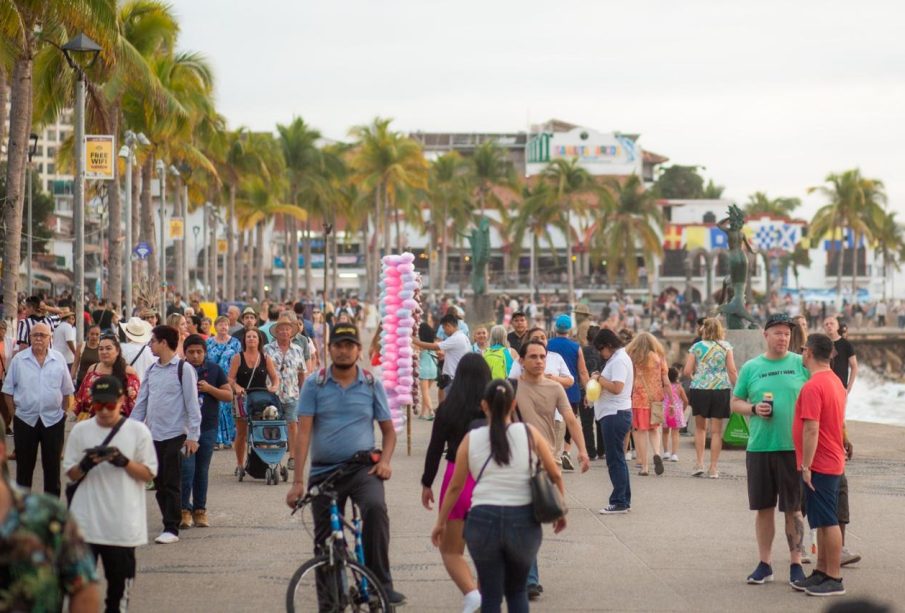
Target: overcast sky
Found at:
x=766, y=95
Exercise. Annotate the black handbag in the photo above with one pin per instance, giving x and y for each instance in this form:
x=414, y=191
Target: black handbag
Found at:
x=72, y=486
x=548, y=502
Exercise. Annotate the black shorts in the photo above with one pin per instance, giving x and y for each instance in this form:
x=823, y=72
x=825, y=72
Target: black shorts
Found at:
x=842, y=505
x=822, y=500
x=709, y=403
x=772, y=475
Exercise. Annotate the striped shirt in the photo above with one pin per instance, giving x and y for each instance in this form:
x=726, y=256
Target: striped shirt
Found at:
x=23, y=328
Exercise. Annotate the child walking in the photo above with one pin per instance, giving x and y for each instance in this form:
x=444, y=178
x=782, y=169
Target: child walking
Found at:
x=674, y=404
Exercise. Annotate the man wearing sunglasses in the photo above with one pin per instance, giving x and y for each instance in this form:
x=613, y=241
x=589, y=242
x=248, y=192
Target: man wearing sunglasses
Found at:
x=109, y=504
x=36, y=388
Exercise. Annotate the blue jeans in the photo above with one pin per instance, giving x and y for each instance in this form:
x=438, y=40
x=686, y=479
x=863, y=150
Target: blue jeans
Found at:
x=503, y=541
x=194, y=472
x=615, y=427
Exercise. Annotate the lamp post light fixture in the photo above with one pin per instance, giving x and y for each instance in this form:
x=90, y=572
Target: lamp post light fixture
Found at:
x=127, y=151
x=31, y=226
x=80, y=46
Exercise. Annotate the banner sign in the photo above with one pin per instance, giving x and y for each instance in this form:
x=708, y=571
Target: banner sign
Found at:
x=222, y=246
x=177, y=228
x=100, y=157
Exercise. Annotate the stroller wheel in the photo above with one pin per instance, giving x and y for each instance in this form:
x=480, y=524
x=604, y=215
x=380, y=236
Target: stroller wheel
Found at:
x=268, y=475
x=285, y=472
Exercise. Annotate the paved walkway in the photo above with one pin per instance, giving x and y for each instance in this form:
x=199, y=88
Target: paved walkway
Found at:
x=687, y=545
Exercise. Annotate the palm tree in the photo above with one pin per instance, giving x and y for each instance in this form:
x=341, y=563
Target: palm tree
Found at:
x=491, y=168
x=573, y=190
x=385, y=163
x=854, y=201
x=712, y=191
x=142, y=27
x=760, y=204
x=447, y=195
x=25, y=27
x=889, y=239
x=633, y=221
x=538, y=213
x=795, y=259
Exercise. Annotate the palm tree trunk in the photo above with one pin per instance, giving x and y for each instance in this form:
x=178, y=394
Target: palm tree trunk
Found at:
x=398, y=231
x=239, y=270
x=230, y=263
x=855, y=239
x=250, y=259
x=309, y=281
x=444, y=248
x=4, y=117
x=335, y=261
x=386, y=218
x=366, y=252
x=211, y=255
x=148, y=235
x=17, y=155
x=532, y=272
x=294, y=257
x=259, y=253
x=178, y=248
x=570, y=269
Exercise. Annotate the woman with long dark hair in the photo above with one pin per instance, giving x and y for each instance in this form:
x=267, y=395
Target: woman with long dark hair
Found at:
x=455, y=415
x=501, y=532
x=110, y=362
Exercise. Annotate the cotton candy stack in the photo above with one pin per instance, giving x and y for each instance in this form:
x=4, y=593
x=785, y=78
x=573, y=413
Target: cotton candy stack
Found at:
x=397, y=309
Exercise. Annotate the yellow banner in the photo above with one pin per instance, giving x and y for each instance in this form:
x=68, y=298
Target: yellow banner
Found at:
x=177, y=228
x=100, y=157
x=222, y=246
x=209, y=309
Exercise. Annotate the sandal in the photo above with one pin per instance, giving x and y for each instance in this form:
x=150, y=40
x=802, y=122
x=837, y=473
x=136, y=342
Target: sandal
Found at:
x=714, y=475
x=643, y=473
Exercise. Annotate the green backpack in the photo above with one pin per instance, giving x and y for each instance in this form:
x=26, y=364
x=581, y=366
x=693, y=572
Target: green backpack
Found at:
x=496, y=359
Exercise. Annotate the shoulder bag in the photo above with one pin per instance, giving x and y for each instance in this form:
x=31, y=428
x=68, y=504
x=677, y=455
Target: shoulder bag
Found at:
x=72, y=486
x=546, y=498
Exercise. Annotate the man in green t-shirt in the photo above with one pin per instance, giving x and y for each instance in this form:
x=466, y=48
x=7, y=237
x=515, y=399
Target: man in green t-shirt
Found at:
x=771, y=466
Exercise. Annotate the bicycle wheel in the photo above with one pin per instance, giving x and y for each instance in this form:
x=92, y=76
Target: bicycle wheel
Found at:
x=344, y=586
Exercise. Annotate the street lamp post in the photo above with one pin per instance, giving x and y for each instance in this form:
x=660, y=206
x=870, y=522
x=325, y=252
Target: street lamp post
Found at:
x=31, y=225
x=162, y=178
x=128, y=152
x=79, y=44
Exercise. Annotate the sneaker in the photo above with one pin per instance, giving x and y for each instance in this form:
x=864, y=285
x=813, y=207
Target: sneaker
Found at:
x=849, y=557
x=396, y=599
x=471, y=603
x=166, y=538
x=658, y=464
x=199, y=517
x=803, y=584
x=796, y=573
x=567, y=464
x=673, y=458
x=613, y=509
x=698, y=471
x=827, y=587
x=714, y=475
x=762, y=574
x=534, y=591
x=628, y=456
x=186, y=519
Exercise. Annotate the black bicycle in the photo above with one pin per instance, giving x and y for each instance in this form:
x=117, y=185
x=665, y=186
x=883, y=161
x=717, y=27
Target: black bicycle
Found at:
x=336, y=579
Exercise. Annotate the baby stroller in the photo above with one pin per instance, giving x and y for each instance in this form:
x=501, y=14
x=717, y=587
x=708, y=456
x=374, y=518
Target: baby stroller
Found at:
x=267, y=438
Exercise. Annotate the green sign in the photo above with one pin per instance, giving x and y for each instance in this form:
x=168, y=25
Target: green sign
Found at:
x=539, y=149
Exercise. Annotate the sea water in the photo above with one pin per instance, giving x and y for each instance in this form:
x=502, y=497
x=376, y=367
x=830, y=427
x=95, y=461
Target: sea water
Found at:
x=874, y=400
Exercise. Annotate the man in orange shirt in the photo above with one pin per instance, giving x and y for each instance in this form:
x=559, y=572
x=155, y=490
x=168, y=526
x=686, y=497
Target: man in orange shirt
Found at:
x=818, y=436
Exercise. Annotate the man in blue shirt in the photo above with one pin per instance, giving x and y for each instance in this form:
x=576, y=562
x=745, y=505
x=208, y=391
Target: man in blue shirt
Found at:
x=168, y=405
x=337, y=410
x=36, y=388
x=213, y=388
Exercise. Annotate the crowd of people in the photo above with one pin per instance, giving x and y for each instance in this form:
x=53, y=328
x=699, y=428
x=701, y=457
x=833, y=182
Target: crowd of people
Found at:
x=156, y=394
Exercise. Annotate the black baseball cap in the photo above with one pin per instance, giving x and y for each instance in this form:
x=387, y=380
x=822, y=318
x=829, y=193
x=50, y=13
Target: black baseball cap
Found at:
x=106, y=389
x=345, y=332
x=779, y=319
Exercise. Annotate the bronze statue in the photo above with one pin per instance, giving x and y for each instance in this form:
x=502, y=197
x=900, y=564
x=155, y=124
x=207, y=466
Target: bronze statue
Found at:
x=480, y=255
x=734, y=308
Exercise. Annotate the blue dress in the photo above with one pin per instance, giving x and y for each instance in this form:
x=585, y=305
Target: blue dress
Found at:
x=427, y=365
x=222, y=354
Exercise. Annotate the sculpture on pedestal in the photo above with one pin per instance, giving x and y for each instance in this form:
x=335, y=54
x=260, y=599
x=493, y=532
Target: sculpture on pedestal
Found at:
x=734, y=308
x=480, y=255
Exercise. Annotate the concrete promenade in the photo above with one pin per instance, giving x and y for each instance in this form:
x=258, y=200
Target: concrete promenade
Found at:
x=687, y=545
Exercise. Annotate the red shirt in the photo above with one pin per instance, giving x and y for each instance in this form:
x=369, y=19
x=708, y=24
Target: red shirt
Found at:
x=822, y=399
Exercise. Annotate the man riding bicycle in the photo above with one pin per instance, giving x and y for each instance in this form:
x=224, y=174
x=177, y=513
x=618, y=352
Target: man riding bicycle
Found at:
x=337, y=410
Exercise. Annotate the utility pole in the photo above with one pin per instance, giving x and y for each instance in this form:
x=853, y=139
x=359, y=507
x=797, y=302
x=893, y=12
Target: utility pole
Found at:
x=162, y=179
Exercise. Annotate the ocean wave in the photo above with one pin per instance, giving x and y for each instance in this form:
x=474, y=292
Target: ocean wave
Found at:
x=875, y=400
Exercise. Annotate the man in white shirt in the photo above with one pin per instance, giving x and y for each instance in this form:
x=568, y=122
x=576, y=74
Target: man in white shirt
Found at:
x=109, y=503
x=136, y=351
x=64, y=337
x=454, y=347
x=36, y=388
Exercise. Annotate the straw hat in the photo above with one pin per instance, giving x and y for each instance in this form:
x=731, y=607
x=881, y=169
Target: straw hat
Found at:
x=287, y=318
x=581, y=309
x=137, y=330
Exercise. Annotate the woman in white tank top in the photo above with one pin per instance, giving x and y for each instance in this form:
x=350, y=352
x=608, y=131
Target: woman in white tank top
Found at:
x=501, y=533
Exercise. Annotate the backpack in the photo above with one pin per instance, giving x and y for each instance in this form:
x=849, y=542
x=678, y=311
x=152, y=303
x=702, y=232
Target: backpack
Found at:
x=496, y=359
